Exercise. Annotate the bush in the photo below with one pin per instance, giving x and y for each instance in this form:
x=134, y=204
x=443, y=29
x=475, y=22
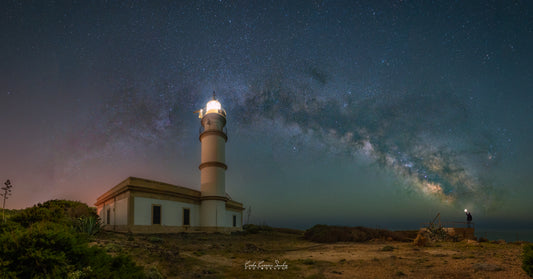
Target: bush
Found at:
x=330, y=234
x=288, y=231
x=154, y=273
x=155, y=239
x=56, y=211
x=42, y=242
x=51, y=250
x=90, y=225
x=253, y=229
x=527, y=259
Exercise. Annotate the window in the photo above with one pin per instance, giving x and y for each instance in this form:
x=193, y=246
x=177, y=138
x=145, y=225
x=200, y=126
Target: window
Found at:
x=108, y=217
x=234, y=220
x=156, y=215
x=186, y=217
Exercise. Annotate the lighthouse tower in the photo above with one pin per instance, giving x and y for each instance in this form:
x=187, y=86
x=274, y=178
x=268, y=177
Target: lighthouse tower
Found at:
x=213, y=166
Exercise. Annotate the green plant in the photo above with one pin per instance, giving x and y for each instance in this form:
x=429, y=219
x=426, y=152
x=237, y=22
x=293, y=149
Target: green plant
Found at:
x=113, y=248
x=79, y=274
x=154, y=273
x=90, y=225
x=527, y=259
x=56, y=211
x=253, y=229
x=155, y=239
x=41, y=242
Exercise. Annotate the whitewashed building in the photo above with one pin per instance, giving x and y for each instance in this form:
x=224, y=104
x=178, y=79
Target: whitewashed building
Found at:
x=141, y=205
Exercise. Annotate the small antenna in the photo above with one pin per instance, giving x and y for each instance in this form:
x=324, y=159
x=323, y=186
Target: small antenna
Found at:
x=214, y=95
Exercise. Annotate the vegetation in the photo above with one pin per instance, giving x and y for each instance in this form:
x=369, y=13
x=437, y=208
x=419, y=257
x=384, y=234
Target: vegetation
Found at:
x=5, y=195
x=90, y=225
x=50, y=240
x=527, y=259
x=330, y=234
x=253, y=229
x=54, y=240
x=55, y=211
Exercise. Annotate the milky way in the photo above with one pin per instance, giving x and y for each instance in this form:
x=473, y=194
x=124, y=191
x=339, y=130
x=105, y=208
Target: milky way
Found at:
x=424, y=137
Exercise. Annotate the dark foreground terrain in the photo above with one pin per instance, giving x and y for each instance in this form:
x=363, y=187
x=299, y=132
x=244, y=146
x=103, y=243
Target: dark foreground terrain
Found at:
x=286, y=254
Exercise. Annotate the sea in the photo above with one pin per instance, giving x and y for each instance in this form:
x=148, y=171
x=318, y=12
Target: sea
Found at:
x=509, y=235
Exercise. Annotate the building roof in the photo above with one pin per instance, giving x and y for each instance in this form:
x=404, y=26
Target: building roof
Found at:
x=148, y=186
x=156, y=187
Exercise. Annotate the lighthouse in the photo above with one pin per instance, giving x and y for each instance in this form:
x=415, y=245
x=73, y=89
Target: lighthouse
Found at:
x=213, y=166
x=142, y=205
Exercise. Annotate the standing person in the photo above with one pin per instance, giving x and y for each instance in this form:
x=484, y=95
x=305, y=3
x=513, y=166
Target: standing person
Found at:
x=468, y=219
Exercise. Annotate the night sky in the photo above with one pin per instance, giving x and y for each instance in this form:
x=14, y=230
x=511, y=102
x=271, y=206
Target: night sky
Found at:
x=375, y=113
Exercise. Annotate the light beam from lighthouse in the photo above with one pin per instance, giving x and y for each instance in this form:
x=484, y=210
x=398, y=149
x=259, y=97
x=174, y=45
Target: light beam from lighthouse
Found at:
x=213, y=166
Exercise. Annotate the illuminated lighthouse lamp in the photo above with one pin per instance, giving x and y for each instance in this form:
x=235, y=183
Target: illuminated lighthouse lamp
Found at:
x=212, y=106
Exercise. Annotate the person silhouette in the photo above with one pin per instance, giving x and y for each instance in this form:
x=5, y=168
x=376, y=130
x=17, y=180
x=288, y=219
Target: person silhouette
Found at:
x=468, y=219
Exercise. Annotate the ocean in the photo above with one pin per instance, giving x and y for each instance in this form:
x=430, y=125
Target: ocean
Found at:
x=509, y=235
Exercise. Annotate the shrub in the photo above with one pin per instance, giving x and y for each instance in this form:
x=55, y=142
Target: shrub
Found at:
x=55, y=250
x=154, y=273
x=527, y=259
x=90, y=225
x=39, y=250
x=36, y=214
x=155, y=239
x=288, y=231
x=42, y=242
x=253, y=229
x=56, y=211
x=330, y=234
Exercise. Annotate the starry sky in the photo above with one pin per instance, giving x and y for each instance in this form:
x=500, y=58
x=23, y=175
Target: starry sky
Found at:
x=375, y=113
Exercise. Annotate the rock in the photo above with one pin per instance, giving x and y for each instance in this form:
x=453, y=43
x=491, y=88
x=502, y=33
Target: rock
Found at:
x=471, y=242
x=483, y=239
x=420, y=240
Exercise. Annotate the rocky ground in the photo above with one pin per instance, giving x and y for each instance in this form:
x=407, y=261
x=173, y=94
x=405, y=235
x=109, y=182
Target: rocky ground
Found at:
x=288, y=255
